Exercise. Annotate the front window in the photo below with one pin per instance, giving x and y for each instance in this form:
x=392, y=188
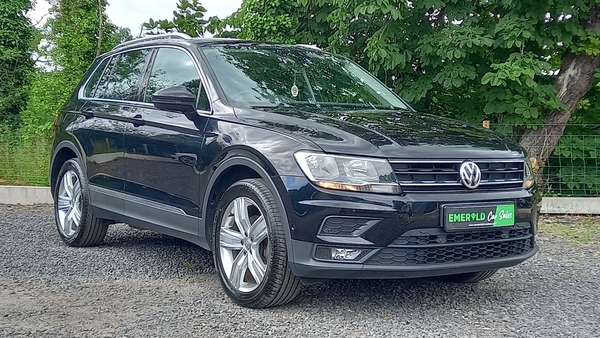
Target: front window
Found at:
x=264, y=75
x=174, y=67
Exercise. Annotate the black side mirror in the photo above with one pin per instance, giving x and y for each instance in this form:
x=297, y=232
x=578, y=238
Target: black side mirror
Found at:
x=176, y=99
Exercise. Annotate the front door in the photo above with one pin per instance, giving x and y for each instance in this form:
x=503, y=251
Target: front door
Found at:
x=163, y=150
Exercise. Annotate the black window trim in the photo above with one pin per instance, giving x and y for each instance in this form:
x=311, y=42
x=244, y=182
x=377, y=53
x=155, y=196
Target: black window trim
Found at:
x=143, y=84
x=147, y=70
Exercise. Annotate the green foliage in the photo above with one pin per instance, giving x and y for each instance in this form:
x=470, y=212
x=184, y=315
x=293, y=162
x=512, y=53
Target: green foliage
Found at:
x=44, y=104
x=16, y=65
x=283, y=21
x=188, y=19
x=73, y=32
x=70, y=45
x=588, y=44
x=267, y=20
x=470, y=60
x=23, y=161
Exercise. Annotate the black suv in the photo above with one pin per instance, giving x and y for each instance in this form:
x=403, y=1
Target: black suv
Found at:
x=291, y=164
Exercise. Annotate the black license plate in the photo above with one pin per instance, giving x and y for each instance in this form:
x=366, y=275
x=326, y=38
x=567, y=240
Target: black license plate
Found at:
x=463, y=217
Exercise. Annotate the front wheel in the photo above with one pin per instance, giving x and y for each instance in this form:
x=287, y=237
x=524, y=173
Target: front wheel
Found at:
x=249, y=247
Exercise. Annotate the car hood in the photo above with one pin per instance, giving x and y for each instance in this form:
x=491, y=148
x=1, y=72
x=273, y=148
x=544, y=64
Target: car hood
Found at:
x=390, y=134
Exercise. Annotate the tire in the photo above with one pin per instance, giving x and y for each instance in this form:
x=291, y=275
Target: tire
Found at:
x=249, y=243
x=471, y=277
x=75, y=223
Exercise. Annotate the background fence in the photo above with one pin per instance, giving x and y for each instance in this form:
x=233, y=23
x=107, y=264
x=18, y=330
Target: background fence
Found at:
x=24, y=157
x=572, y=170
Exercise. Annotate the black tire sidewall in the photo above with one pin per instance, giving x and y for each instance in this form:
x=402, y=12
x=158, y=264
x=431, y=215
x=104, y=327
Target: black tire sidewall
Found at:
x=243, y=189
x=74, y=165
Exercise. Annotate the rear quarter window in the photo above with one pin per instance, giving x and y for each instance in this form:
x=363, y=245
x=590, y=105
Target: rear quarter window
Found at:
x=94, y=80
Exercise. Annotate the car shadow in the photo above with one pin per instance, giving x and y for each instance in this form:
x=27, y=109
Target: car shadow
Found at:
x=349, y=294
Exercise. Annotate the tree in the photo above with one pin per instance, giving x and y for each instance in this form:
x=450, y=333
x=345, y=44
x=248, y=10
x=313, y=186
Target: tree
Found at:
x=78, y=31
x=579, y=63
x=266, y=20
x=100, y=27
x=492, y=60
x=284, y=21
x=523, y=64
x=188, y=19
x=16, y=64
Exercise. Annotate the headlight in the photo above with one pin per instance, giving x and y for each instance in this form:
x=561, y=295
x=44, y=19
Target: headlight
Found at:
x=529, y=177
x=348, y=173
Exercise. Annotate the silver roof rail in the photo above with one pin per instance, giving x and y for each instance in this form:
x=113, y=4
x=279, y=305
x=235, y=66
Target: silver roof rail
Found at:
x=309, y=46
x=154, y=37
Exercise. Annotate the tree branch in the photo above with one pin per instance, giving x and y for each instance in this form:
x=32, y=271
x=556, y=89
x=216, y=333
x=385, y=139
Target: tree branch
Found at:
x=100, y=28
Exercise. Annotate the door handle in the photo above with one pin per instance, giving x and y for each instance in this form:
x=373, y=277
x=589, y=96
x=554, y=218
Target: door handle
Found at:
x=88, y=113
x=138, y=120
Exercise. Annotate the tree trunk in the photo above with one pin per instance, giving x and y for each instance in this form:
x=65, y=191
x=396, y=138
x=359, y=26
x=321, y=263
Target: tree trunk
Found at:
x=100, y=28
x=572, y=83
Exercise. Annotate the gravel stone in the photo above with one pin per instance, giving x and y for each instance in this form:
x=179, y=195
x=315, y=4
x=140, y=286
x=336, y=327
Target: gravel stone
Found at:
x=142, y=284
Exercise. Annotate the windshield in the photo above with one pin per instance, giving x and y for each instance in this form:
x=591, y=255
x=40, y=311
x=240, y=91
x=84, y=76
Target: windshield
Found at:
x=265, y=76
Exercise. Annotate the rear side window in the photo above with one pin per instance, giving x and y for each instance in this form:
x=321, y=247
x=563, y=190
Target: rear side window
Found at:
x=173, y=67
x=101, y=87
x=122, y=76
x=94, y=81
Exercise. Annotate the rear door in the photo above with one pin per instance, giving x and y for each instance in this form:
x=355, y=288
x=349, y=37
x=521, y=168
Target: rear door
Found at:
x=163, y=149
x=109, y=96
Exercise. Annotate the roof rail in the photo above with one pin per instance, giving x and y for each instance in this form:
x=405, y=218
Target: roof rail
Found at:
x=309, y=46
x=154, y=37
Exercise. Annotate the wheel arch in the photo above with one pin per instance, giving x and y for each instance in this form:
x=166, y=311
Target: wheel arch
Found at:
x=63, y=152
x=232, y=170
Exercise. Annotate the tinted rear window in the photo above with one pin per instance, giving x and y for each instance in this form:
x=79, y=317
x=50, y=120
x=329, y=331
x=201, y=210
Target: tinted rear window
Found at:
x=121, y=79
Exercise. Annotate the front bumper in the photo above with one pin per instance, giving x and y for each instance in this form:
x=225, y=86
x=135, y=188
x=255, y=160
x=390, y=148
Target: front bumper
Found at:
x=306, y=266
x=400, y=236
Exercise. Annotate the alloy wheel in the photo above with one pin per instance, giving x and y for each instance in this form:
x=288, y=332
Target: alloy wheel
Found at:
x=244, y=244
x=69, y=204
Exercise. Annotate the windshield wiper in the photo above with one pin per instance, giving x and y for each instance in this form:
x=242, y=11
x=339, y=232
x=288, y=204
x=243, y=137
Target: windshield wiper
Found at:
x=271, y=105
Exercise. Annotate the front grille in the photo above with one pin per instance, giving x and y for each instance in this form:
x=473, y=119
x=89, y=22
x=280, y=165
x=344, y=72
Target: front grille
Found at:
x=439, y=236
x=450, y=254
x=444, y=175
x=435, y=246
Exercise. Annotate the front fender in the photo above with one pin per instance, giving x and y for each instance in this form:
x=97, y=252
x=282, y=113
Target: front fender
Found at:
x=273, y=182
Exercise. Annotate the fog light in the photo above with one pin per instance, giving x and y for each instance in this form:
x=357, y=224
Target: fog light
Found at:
x=344, y=254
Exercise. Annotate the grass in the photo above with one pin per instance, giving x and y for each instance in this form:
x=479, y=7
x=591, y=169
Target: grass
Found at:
x=190, y=266
x=578, y=229
x=24, y=162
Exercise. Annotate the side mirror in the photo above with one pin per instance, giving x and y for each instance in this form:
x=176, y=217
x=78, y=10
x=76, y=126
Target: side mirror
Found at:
x=176, y=99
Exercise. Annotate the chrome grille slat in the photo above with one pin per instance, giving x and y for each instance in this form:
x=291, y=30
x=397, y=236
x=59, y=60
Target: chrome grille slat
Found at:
x=443, y=175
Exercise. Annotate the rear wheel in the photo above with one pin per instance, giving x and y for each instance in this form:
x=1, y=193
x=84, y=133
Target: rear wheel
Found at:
x=75, y=222
x=471, y=277
x=249, y=247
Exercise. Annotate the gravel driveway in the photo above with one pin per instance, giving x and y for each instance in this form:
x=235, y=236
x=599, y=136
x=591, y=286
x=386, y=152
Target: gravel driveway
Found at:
x=139, y=284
